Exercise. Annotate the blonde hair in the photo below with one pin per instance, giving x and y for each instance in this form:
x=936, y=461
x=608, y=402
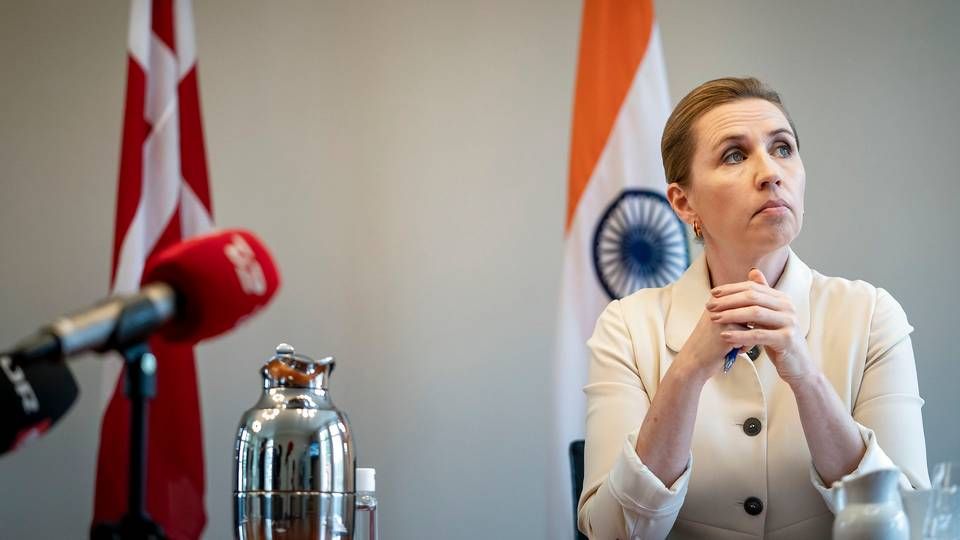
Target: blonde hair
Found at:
x=679, y=141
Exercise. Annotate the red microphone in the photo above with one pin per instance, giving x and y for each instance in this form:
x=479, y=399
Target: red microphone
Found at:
x=192, y=290
x=218, y=279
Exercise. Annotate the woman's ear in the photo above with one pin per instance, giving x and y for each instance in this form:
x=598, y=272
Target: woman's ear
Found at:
x=681, y=203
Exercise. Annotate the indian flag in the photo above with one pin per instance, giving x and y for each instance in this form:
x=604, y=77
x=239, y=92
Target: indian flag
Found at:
x=620, y=232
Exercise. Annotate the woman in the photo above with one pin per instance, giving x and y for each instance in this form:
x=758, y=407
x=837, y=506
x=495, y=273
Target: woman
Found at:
x=824, y=386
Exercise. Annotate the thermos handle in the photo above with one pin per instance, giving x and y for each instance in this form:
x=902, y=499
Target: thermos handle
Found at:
x=280, y=371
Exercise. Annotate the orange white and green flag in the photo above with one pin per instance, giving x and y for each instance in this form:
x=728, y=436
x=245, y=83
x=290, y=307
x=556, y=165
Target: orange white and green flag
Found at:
x=620, y=233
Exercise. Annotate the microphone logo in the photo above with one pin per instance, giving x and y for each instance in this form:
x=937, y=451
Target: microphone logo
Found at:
x=244, y=260
x=28, y=399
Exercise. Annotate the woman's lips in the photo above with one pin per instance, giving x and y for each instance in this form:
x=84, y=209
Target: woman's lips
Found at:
x=774, y=207
x=774, y=211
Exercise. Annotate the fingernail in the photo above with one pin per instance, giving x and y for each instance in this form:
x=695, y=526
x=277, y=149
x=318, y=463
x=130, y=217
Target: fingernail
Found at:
x=724, y=334
x=715, y=317
x=715, y=292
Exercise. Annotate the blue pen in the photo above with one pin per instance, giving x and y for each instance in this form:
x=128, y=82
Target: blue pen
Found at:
x=731, y=356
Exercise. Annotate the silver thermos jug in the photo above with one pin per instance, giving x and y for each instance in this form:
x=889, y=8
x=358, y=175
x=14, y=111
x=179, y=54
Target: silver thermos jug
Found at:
x=293, y=459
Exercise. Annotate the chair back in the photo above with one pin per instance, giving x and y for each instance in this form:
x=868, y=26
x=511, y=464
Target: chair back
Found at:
x=576, y=477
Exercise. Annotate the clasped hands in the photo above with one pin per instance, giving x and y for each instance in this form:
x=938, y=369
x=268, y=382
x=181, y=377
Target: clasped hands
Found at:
x=768, y=319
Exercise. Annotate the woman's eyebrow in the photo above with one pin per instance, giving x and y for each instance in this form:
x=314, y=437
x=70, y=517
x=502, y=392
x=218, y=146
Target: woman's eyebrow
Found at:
x=779, y=131
x=740, y=137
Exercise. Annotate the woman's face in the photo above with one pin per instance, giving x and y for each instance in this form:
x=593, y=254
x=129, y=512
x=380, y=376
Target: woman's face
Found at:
x=745, y=161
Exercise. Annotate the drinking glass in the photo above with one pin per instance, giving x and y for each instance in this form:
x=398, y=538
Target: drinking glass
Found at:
x=943, y=512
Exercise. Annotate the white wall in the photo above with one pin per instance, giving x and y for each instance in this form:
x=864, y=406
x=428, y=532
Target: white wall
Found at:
x=406, y=162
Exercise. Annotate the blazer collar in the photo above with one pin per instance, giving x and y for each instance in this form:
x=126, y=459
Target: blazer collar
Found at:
x=689, y=295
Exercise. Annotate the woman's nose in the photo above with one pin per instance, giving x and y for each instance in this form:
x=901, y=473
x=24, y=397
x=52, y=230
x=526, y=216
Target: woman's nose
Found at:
x=767, y=172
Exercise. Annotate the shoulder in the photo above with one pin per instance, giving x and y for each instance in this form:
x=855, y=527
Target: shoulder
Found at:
x=646, y=304
x=628, y=326
x=639, y=309
x=838, y=288
x=854, y=293
x=857, y=302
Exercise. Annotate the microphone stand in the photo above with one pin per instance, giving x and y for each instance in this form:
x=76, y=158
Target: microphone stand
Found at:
x=140, y=384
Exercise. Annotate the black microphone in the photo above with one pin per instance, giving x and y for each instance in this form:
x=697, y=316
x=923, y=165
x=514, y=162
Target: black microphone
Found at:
x=33, y=397
x=111, y=324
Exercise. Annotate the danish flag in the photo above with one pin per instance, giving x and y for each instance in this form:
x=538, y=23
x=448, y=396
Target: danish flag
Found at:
x=163, y=196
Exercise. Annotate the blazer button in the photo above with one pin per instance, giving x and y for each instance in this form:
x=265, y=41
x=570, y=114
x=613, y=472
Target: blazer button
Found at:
x=752, y=426
x=754, y=353
x=753, y=506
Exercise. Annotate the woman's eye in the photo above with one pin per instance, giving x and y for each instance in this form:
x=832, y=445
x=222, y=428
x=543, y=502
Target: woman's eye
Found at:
x=734, y=157
x=783, y=151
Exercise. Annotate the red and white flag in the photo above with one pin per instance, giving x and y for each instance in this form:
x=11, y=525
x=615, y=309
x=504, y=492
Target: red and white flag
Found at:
x=621, y=234
x=163, y=196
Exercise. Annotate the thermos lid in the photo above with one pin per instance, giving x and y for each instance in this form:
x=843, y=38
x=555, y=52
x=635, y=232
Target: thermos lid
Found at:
x=288, y=369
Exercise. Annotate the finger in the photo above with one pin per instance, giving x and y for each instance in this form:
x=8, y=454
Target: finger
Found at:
x=750, y=298
x=756, y=276
x=751, y=337
x=753, y=315
x=738, y=348
x=731, y=288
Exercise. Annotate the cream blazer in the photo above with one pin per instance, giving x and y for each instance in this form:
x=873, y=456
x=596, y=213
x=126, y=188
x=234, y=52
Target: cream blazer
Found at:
x=857, y=333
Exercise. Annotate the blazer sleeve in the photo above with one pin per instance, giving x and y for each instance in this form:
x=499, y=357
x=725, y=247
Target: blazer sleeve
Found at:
x=887, y=407
x=621, y=497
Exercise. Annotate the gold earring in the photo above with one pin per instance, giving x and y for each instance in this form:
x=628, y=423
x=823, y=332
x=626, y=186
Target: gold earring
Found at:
x=697, y=229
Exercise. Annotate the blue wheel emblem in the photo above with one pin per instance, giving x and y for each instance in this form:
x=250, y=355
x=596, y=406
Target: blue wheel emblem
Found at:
x=640, y=242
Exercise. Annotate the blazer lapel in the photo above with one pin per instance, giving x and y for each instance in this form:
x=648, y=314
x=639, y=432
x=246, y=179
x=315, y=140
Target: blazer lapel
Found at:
x=688, y=295
x=796, y=281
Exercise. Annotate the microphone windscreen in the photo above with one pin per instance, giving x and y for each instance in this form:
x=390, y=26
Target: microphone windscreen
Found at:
x=33, y=397
x=219, y=278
